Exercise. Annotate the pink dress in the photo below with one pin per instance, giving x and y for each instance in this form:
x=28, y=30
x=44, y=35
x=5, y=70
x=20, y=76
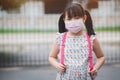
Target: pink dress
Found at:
x=76, y=57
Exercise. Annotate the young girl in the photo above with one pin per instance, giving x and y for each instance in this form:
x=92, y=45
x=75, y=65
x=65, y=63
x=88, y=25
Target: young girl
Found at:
x=76, y=50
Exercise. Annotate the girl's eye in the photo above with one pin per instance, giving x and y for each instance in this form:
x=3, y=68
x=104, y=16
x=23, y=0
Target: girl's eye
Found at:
x=68, y=19
x=77, y=17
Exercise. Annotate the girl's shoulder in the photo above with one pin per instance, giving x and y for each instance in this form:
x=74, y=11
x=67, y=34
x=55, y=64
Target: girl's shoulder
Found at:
x=93, y=37
x=59, y=34
x=59, y=37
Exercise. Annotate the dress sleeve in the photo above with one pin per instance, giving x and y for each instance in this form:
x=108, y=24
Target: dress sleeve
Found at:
x=92, y=38
x=59, y=38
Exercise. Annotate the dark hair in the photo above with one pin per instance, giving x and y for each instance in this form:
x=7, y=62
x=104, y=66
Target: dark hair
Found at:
x=73, y=10
x=61, y=24
x=89, y=24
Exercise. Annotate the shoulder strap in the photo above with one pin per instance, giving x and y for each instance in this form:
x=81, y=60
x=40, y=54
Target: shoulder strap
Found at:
x=62, y=47
x=90, y=52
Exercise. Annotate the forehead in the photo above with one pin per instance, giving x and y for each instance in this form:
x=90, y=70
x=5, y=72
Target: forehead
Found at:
x=73, y=12
x=70, y=16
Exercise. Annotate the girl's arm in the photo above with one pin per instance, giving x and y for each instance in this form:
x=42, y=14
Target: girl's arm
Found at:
x=100, y=58
x=99, y=54
x=53, y=58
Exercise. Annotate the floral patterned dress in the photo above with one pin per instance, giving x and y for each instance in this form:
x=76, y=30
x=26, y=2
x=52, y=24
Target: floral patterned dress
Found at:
x=76, y=57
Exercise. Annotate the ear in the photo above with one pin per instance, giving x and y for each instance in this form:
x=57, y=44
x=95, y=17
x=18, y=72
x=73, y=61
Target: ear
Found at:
x=84, y=18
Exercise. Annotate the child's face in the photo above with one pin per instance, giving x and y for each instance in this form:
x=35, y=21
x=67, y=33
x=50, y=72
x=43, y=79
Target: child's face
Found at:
x=74, y=24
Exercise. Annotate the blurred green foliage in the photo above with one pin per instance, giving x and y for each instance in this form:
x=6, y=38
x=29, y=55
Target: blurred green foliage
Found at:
x=117, y=28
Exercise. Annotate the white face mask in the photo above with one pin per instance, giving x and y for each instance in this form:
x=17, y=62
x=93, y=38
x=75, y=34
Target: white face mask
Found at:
x=74, y=26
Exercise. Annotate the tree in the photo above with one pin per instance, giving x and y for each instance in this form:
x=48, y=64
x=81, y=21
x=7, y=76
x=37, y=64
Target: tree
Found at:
x=92, y=4
x=11, y=4
x=55, y=6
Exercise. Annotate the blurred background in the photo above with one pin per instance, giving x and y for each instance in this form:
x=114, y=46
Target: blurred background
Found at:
x=27, y=32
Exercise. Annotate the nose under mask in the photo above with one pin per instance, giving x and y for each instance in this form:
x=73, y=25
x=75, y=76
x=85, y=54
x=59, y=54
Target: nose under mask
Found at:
x=74, y=26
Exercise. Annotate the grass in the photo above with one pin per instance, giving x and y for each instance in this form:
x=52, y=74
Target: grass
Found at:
x=26, y=31
x=51, y=31
x=108, y=28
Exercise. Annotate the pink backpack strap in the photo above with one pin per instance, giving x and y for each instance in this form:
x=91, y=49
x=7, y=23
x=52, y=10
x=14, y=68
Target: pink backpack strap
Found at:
x=62, y=47
x=90, y=52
